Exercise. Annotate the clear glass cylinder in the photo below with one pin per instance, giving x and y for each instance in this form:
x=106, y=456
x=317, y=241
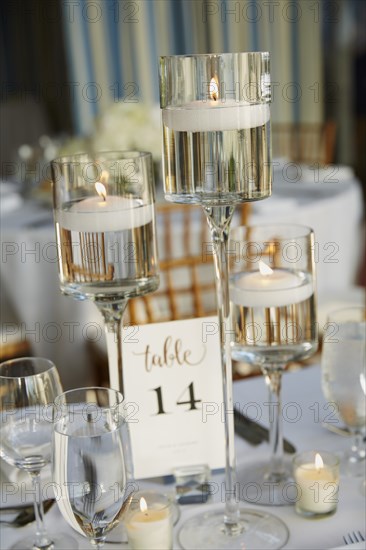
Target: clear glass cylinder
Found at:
x=105, y=225
x=216, y=127
x=272, y=293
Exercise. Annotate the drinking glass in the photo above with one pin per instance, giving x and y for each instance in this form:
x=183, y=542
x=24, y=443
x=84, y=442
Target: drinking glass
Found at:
x=90, y=461
x=28, y=387
x=105, y=229
x=344, y=378
x=216, y=152
x=272, y=296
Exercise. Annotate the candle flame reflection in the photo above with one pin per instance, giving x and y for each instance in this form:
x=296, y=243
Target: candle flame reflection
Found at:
x=214, y=89
x=264, y=268
x=319, y=464
x=143, y=505
x=101, y=190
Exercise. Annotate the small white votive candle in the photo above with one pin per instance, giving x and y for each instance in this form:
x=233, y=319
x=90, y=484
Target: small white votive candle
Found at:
x=317, y=478
x=149, y=522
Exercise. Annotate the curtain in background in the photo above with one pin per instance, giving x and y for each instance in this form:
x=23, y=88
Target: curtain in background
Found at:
x=113, y=48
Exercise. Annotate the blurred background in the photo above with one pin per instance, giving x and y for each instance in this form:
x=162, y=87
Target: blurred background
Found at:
x=76, y=73
x=66, y=62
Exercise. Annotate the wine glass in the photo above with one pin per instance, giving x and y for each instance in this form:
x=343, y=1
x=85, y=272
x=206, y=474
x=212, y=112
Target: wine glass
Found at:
x=216, y=152
x=344, y=378
x=272, y=296
x=28, y=387
x=90, y=461
x=105, y=229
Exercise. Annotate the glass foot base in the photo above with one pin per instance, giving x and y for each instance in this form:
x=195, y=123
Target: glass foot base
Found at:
x=256, y=530
x=258, y=486
x=59, y=542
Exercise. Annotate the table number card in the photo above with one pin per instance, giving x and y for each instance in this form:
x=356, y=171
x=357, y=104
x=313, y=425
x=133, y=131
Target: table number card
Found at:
x=173, y=384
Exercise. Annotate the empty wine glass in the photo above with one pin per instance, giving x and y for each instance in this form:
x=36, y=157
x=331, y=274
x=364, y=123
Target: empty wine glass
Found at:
x=28, y=386
x=91, y=461
x=344, y=378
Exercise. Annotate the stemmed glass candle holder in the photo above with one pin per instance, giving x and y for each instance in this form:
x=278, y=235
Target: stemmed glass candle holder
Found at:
x=105, y=229
x=28, y=387
x=272, y=294
x=216, y=152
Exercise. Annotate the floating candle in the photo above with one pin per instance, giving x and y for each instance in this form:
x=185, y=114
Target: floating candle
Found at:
x=270, y=287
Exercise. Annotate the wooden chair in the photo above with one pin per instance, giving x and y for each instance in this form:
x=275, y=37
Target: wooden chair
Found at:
x=187, y=281
x=305, y=142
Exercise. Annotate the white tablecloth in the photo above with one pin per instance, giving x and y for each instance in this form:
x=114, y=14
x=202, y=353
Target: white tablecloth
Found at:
x=302, y=393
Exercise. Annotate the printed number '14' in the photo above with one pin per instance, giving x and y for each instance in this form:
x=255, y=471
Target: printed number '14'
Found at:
x=191, y=401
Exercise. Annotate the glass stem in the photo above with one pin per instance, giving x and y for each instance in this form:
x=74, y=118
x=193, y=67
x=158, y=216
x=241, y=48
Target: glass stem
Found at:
x=357, y=449
x=219, y=219
x=42, y=540
x=273, y=376
x=113, y=315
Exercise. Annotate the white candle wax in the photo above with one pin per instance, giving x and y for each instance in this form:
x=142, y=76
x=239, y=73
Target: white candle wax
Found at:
x=214, y=116
x=317, y=488
x=280, y=288
x=150, y=530
x=96, y=215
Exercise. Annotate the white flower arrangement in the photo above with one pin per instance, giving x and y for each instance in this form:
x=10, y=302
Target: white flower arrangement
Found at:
x=129, y=126
x=121, y=127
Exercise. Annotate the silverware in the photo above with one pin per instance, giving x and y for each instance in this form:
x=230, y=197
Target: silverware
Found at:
x=352, y=538
x=255, y=433
x=25, y=515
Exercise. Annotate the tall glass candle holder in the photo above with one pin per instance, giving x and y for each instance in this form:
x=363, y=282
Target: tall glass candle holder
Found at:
x=104, y=210
x=217, y=153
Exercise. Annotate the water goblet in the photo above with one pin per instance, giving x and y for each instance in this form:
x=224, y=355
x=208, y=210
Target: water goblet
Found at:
x=28, y=387
x=105, y=229
x=216, y=152
x=344, y=378
x=272, y=296
x=91, y=461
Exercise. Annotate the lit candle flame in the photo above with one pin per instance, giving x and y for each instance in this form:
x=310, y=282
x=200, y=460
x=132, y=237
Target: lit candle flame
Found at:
x=319, y=464
x=264, y=268
x=101, y=190
x=143, y=505
x=214, y=89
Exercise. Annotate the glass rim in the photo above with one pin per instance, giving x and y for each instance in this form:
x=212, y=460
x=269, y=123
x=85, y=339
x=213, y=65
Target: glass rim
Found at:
x=85, y=389
x=264, y=54
x=307, y=230
x=18, y=360
x=129, y=154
